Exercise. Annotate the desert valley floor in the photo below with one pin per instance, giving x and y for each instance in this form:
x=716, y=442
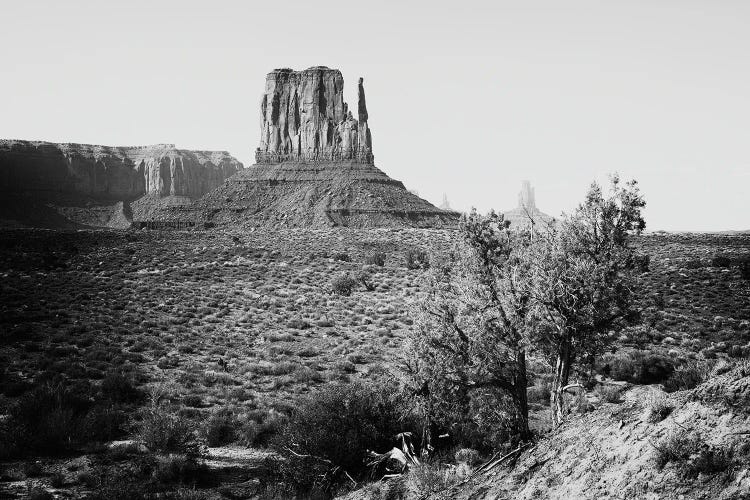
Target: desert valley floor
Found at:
x=246, y=322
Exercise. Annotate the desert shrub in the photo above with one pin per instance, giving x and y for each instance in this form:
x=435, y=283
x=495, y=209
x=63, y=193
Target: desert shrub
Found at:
x=581, y=403
x=431, y=478
x=365, y=278
x=677, y=447
x=692, y=455
x=639, y=367
x=342, y=256
x=609, y=393
x=33, y=469
x=120, y=387
x=57, y=480
x=745, y=269
x=468, y=456
x=162, y=430
x=539, y=392
x=260, y=428
x=694, y=264
x=220, y=428
x=416, y=259
x=710, y=460
x=343, y=285
x=339, y=424
x=180, y=469
x=375, y=259
x=687, y=376
x=721, y=261
x=658, y=409
x=39, y=493
x=49, y=419
x=298, y=324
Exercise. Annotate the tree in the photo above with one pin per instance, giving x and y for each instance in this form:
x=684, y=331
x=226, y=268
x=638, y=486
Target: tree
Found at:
x=469, y=349
x=582, y=278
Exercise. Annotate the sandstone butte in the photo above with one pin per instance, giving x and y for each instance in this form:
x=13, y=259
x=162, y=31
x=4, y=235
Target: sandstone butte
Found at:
x=526, y=212
x=315, y=165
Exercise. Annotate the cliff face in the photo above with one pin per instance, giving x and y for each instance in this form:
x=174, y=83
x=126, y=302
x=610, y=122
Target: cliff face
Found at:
x=111, y=173
x=303, y=116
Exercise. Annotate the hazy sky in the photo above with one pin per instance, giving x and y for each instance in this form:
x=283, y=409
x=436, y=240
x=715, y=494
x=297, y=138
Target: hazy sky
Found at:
x=465, y=97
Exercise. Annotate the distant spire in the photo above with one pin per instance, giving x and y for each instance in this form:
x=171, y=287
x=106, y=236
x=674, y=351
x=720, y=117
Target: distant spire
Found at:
x=445, y=205
x=527, y=198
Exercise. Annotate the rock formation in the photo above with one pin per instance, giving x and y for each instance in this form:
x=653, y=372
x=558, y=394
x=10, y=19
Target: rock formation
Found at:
x=83, y=176
x=445, y=205
x=526, y=212
x=304, y=117
x=315, y=165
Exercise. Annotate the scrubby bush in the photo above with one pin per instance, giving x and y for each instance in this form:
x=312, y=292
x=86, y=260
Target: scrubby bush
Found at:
x=338, y=424
x=343, y=285
x=721, y=261
x=342, y=256
x=745, y=269
x=687, y=376
x=120, y=387
x=220, y=428
x=658, y=409
x=163, y=430
x=54, y=418
x=180, y=469
x=539, y=392
x=417, y=259
x=691, y=454
x=638, y=367
x=676, y=447
x=609, y=393
x=261, y=427
x=39, y=493
x=376, y=259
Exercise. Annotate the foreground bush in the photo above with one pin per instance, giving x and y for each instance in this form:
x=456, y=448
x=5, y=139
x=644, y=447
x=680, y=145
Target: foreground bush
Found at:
x=638, y=367
x=55, y=418
x=336, y=426
x=163, y=430
x=688, y=376
x=691, y=455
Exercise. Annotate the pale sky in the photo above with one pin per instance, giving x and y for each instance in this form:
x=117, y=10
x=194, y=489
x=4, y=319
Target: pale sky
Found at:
x=464, y=97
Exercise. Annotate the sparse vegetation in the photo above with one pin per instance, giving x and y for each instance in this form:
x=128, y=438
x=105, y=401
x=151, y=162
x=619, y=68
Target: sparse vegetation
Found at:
x=658, y=409
x=343, y=285
x=243, y=332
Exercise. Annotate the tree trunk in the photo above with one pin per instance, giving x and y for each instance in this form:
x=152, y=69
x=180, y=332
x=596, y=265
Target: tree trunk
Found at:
x=562, y=373
x=522, y=401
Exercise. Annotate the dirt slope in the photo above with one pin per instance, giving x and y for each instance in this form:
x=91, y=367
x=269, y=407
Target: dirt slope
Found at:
x=612, y=452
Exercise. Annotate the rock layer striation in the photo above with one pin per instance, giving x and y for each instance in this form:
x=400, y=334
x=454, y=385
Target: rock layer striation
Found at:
x=112, y=173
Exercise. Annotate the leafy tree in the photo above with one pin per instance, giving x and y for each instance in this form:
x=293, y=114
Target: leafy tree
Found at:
x=582, y=280
x=469, y=352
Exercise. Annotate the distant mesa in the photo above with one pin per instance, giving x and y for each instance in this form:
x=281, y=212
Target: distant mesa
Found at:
x=68, y=185
x=315, y=165
x=526, y=213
